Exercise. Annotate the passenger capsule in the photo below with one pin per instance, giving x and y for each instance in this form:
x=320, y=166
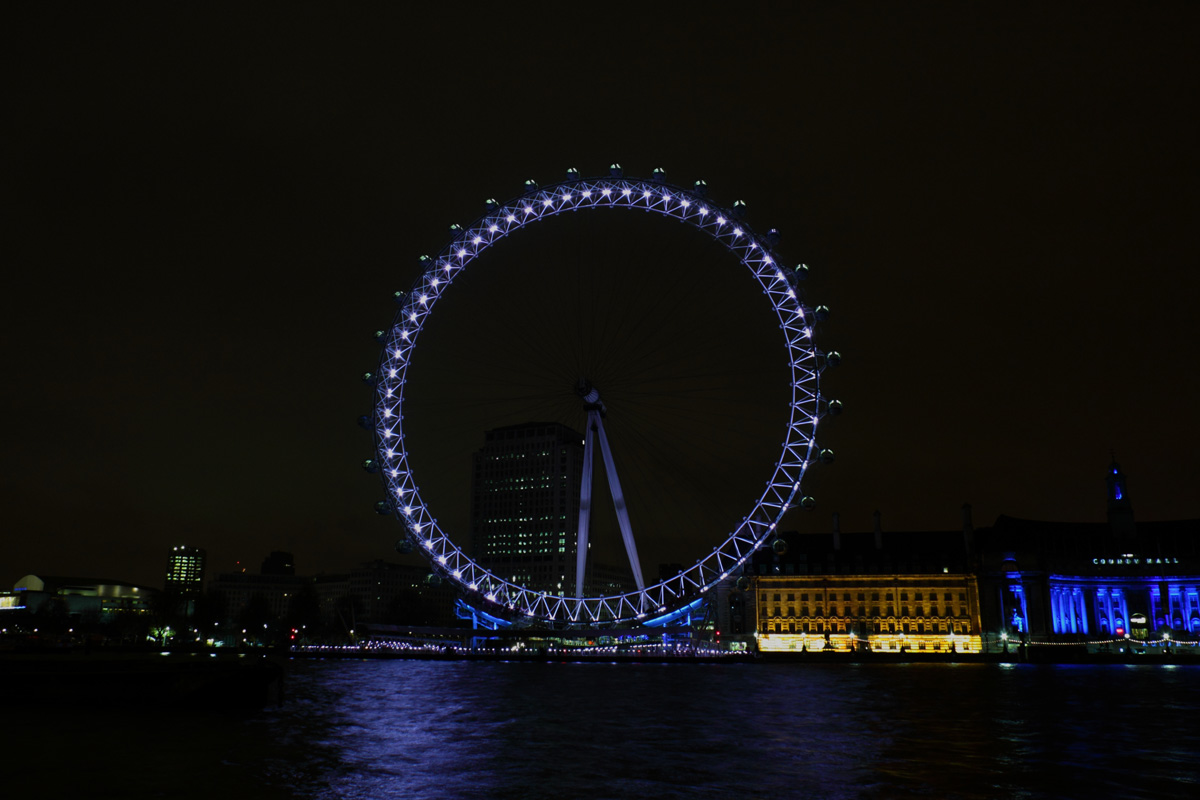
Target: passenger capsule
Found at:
x=365, y=423
x=700, y=188
x=404, y=546
x=826, y=456
x=821, y=313
x=530, y=186
x=743, y=583
x=371, y=466
x=833, y=358
x=739, y=209
x=800, y=273
x=433, y=580
x=381, y=337
x=399, y=297
x=779, y=547
x=834, y=408
x=490, y=204
x=572, y=174
x=615, y=171
x=773, y=236
x=383, y=508
x=369, y=378
x=455, y=230
x=808, y=503
x=658, y=175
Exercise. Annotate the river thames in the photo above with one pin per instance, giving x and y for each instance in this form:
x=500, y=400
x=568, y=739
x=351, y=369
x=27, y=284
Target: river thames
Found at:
x=419, y=729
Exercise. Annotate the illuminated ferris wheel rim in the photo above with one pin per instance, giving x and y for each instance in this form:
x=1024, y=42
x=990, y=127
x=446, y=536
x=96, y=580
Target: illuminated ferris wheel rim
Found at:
x=496, y=594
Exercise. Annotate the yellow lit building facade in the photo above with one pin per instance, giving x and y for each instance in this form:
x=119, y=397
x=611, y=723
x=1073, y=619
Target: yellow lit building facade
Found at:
x=934, y=613
x=914, y=592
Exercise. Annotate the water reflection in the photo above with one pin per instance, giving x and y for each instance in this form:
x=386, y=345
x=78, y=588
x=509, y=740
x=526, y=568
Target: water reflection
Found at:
x=426, y=730
x=412, y=729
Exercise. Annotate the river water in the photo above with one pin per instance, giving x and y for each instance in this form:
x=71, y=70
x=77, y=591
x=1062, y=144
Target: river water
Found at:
x=416, y=729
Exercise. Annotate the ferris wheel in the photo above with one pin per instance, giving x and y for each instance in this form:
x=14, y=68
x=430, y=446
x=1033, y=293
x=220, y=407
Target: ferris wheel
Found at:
x=650, y=600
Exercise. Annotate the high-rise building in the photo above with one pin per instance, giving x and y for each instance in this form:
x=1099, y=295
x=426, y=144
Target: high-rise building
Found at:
x=185, y=578
x=525, y=510
x=185, y=571
x=525, y=504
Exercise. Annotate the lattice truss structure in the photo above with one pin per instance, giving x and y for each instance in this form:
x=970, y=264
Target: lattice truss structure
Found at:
x=690, y=207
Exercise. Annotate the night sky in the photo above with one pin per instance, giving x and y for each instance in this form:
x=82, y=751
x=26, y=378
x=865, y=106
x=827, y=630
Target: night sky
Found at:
x=207, y=215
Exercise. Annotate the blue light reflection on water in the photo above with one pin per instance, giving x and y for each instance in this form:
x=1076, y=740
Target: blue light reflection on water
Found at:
x=423, y=730
x=454, y=729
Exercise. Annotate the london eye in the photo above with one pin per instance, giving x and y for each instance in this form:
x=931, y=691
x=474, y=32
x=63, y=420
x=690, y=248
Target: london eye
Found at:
x=648, y=597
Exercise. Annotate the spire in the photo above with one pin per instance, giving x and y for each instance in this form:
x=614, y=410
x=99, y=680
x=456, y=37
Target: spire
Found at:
x=1120, y=509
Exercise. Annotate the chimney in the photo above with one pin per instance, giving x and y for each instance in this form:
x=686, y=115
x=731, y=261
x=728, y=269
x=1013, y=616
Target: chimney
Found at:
x=878, y=532
x=837, y=531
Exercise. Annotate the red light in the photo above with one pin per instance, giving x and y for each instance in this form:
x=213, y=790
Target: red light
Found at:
x=1120, y=631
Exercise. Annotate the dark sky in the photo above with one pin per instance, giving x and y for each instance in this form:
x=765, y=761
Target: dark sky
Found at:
x=207, y=215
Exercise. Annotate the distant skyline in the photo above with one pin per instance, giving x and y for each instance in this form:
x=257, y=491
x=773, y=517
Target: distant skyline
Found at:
x=212, y=212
